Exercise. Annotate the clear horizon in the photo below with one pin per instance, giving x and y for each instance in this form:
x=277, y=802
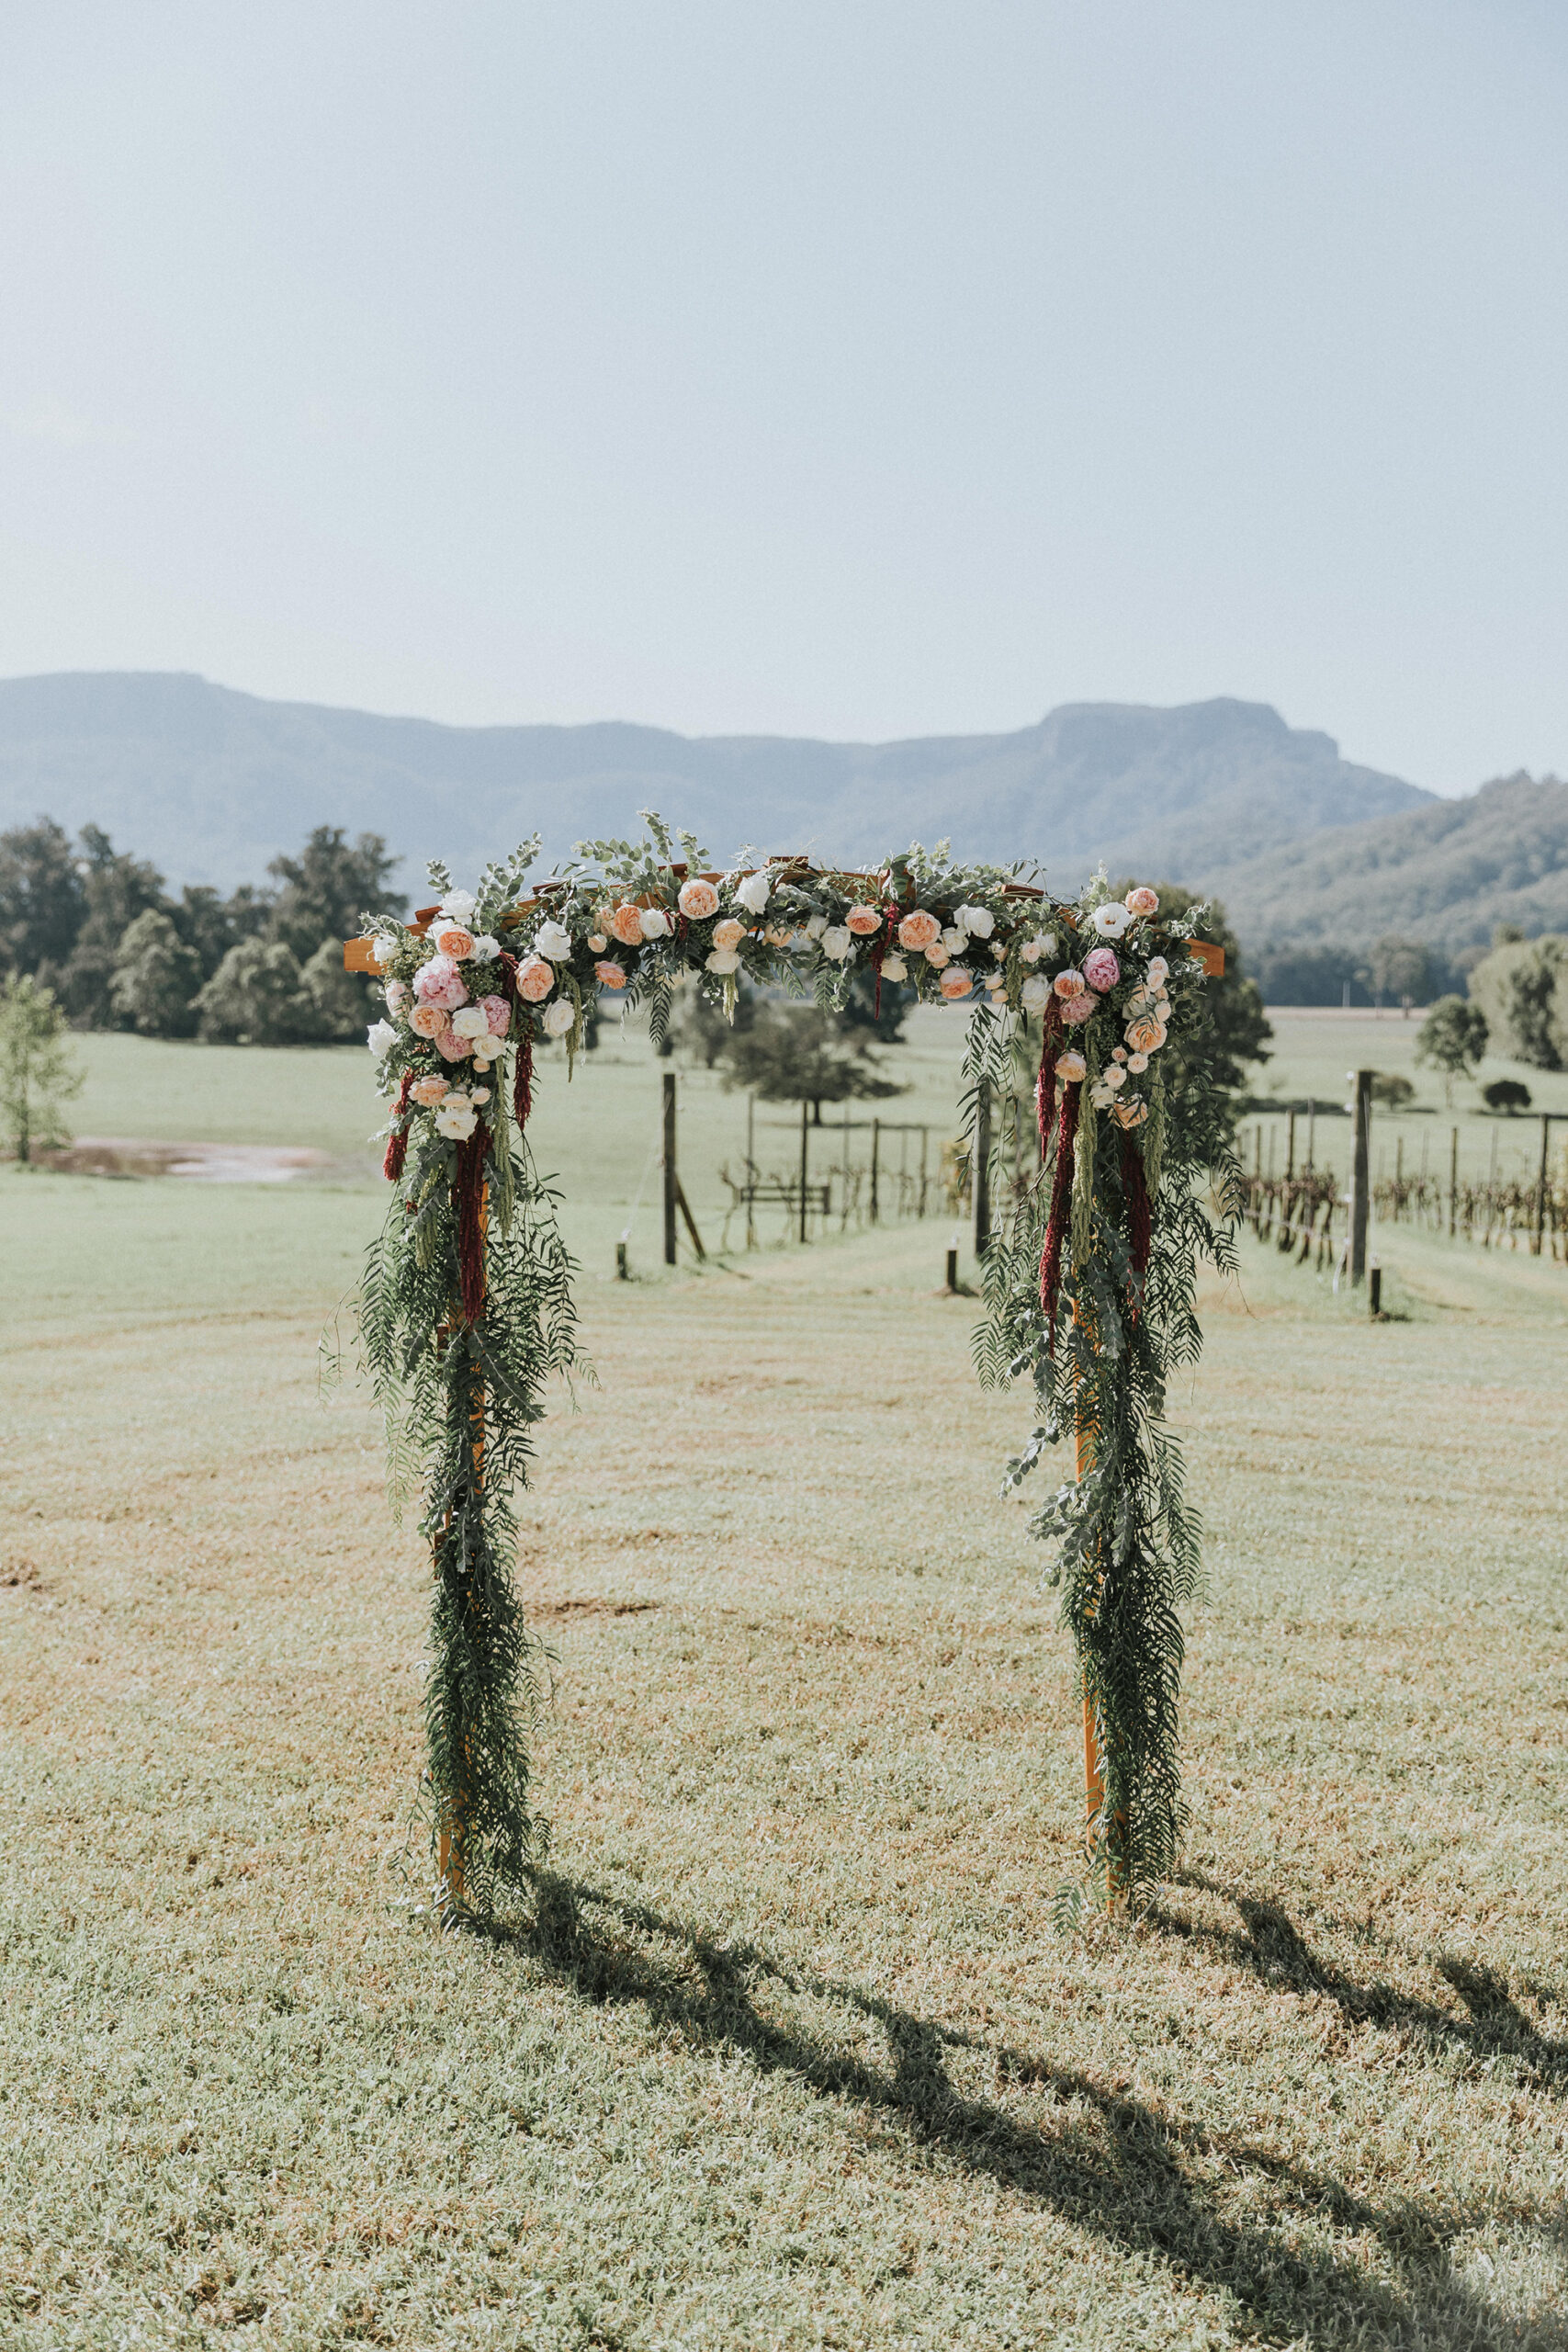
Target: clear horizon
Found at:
x=863, y=378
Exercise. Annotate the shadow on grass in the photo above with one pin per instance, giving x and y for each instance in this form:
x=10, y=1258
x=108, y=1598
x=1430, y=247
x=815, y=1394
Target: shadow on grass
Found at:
x=1116, y=2165
x=1269, y=1943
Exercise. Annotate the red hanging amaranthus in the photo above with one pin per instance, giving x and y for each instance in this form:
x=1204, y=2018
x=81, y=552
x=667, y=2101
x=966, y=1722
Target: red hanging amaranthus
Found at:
x=1140, y=1210
x=398, y=1141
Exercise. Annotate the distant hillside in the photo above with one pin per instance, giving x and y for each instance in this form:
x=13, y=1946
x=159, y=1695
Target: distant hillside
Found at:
x=1448, y=874
x=210, y=784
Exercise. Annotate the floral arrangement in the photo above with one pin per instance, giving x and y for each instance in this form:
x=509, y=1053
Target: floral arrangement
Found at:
x=466, y=1311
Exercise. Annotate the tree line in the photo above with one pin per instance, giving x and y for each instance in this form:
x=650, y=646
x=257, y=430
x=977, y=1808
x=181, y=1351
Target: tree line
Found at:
x=101, y=931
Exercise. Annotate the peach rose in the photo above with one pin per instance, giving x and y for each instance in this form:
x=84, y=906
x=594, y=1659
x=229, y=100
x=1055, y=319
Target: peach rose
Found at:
x=1158, y=972
x=1071, y=1066
x=1143, y=1033
x=427, y=1021
x=452, y=940
x=937, y=954
x=698, y=899
x=429, y=1091
x=609, y=974
x=626, y=924
x=864, y=921
x=956, y=981
x=1129, y=1111
x=729, y=934
x=534, y=980
x=1142, y=901
x=1068, y=984
x=918, y=930
x=597, y=943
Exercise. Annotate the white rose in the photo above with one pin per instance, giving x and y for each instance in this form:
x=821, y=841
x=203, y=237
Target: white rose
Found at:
x=955, y=939
x=480, y=1095
x=979, y=921
x=457, y=1121
x=653, y=922
x=894, y=968
x=815, y=926
x=1159, y=971
x=458, y=905
x=1137, y=1064
x=754, y=893
x=1042, y=943
x=1035, y=993
x=380, y=1037
x=383, y=947
x=836, y=942
x=558, y=1017
x=1111, y=920
x=1114, y=1077
x=724, y=959
x=471, y=1021
x=553, y=942
x=1101, y=1095
x=486, y=949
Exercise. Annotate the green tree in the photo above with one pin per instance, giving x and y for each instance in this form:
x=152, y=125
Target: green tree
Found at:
x=325, y=891
x=117, y=888
x=798, y=1052
x=37, y=1073
x=1522, y=990
x=1400, y=968
x=212, y=924
x=258, y=996
x=1506, y=1095
x=1452, y=1039
x=1392, y=1088
x=44, y=901
x=155, y=979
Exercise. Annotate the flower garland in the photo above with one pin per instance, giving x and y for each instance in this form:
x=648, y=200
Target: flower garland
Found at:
x=466, y=1308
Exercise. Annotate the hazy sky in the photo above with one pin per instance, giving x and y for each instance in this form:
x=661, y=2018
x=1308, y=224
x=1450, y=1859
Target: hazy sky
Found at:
x=755, y=366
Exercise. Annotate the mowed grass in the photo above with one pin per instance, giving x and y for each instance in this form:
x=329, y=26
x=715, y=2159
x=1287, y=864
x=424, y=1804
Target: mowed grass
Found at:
x=789, y=2052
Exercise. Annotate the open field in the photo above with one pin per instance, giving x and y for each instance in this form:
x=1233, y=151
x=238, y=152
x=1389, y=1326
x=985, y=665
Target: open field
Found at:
x=791, y=2053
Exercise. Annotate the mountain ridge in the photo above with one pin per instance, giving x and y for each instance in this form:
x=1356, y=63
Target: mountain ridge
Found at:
x=210, y=782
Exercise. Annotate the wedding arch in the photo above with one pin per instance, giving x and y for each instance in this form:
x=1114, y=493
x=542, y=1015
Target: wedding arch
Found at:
x=465, y=1309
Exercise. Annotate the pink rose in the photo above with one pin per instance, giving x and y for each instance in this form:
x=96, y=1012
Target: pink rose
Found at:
x=497, y=1012
x=453, y=1048
x=729, y=934
x=396, y=995
x=918, y=931
x=1080, y=1008
x=1068, y=984
x=427, y=1021
x=1102, y=970
x=864, y=921
x=698, y=899
x=452, y=940
x=429, y=1091
x=534, y=980
x=440, y=982
x=956, y=981
x=626, y=924
x=1142, y=901
x=609, y=974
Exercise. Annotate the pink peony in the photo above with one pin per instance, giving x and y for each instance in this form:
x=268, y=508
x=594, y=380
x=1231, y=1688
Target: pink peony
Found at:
x=864, y=921
x=1080, y=1008
x=1068, y=983
x=427, y=1021
x=429, y=1091
x=534, y=980
x=453, y=1048
x=918, y=931
x=1101, y=969
x=497, y=1012
x=698, y=899
x=1142, y=901
x=609, y=974
x=626, y=924
x=396, y=995
x=956, y=981
x=452, y=940
x=440, y=982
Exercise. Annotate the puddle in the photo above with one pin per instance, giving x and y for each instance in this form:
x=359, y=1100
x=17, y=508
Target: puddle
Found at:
x=200, y=1163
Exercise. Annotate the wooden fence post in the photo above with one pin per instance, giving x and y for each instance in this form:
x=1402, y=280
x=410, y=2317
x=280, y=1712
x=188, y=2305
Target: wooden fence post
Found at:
x=876, y=1169
x=805, y=1162
x=1453, y=1180
x=670, y=1167
x=1359, y=1200
x=1540, y=1187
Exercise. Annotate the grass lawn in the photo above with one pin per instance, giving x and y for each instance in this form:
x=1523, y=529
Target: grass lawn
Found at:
x=790, y=2053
